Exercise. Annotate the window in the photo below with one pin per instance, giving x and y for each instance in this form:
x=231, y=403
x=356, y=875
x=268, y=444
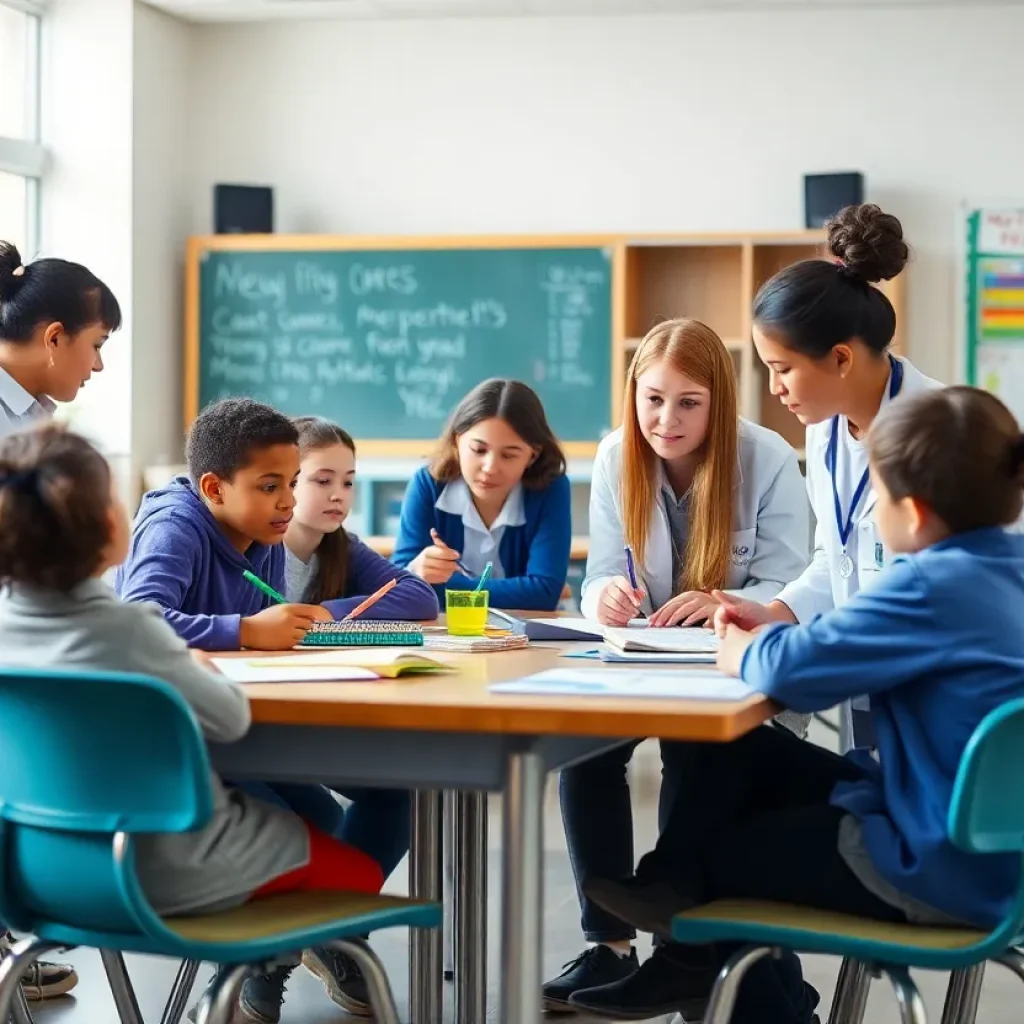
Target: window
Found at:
x=14, y=210
x=22, y=157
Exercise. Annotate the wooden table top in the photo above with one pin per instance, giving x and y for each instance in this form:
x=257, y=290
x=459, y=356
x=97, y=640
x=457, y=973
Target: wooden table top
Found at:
x=463, y=703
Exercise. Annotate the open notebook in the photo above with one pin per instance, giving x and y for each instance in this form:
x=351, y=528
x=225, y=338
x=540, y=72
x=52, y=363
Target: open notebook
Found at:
x=329, y=666
x=668, y=640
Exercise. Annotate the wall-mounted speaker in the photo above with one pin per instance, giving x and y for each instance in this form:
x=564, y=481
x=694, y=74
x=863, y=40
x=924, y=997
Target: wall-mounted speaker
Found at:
x=826, y=194
x=243, y=210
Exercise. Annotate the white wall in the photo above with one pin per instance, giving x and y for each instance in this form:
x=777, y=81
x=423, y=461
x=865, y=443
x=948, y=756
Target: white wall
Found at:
x=703, y=121
x=161, y=220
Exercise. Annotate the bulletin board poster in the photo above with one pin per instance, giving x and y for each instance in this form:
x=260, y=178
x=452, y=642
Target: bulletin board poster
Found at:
x=995, y=304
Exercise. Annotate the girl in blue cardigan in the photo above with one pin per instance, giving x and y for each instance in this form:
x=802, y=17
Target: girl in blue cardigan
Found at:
x=495, y=492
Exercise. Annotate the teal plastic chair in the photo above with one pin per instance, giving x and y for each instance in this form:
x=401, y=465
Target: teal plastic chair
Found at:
x=87, y=762
x=986, y=816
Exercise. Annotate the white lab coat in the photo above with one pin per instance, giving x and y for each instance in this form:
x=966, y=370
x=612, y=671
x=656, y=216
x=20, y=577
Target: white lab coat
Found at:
x=771, y=524
x=820, y=588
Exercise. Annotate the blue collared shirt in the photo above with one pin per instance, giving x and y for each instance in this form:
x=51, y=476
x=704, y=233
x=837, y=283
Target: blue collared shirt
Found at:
x=482, y=545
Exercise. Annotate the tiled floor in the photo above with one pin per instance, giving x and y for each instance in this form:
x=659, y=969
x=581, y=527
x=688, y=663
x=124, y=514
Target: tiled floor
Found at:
x=307, y=1003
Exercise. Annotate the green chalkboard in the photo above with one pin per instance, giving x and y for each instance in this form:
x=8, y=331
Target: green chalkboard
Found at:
x=387, y=342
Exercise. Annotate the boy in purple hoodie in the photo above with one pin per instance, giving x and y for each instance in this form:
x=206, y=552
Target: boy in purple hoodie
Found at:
x=191, y=542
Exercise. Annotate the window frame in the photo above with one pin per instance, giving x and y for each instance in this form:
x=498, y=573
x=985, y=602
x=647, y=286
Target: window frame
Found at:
x=27, y=157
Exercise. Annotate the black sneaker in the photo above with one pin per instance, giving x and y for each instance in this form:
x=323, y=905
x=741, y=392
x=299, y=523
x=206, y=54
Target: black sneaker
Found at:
x=595, y=966
x=660, y=986
x=341, y=977
x=261, y=998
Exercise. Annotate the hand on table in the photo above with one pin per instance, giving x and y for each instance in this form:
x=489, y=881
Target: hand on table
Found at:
x=280, y=627
x=739, y=612
x=692, y=608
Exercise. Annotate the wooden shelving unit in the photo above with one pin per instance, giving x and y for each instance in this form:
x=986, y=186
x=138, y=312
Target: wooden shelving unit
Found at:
x=714, y=278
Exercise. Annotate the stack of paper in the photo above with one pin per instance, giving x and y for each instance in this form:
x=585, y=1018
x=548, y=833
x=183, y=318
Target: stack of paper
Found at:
x=329, y=667
x=664, y=640
x=693, y=685
x=477, y=644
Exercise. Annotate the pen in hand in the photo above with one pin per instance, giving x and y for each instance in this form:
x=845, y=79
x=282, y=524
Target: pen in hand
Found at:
x=631, y=569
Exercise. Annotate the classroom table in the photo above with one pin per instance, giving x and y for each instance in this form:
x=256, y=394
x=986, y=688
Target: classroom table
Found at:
x=432, y=733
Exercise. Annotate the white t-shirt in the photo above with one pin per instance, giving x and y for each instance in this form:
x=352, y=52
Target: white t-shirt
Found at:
x=851, y=465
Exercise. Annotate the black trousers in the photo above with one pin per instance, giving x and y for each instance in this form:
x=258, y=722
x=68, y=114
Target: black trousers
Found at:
x=754, y=821
x=597, y=812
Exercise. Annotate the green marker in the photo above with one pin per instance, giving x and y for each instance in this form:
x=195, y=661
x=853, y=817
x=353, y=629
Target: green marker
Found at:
x=260, y=585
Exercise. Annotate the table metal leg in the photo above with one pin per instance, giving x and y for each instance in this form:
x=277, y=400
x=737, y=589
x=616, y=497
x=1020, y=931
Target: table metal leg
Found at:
x=470, y=862
x=522, y=889
x=426, y=984
x=451, y=838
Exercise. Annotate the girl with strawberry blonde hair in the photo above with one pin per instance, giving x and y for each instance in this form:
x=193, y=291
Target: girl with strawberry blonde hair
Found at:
x=705, y=501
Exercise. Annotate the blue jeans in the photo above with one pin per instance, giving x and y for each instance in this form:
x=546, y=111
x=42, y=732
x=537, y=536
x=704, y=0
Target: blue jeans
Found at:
x=377, y=822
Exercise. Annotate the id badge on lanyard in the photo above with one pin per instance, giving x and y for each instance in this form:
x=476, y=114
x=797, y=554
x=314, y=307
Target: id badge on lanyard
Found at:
x=844, y=521
x=872, y=556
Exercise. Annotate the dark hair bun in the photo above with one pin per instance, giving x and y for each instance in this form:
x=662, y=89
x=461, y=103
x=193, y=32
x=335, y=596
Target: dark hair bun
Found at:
x=868, y=241
x=10, y=260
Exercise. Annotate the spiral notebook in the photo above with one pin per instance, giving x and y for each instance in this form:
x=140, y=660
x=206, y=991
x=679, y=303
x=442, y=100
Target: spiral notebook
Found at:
x=360, y=633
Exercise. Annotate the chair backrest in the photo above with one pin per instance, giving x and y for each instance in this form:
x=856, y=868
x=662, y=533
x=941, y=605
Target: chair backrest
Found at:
x=84, y=755
x=986, y=814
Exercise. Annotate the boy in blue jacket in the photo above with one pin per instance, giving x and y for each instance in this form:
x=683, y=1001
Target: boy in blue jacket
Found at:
x=192, y=541
x=937, y=645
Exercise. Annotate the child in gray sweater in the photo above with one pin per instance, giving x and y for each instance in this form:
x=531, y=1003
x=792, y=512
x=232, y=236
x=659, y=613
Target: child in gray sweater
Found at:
x=62, y=527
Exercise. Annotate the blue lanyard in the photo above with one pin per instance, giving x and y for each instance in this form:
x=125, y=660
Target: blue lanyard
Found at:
x=844, y=524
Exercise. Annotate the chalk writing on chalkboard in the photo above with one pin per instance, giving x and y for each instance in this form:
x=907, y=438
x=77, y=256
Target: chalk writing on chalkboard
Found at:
x=398, y=338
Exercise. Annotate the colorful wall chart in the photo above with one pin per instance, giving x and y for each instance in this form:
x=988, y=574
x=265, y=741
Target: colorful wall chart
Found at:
x=995, y=304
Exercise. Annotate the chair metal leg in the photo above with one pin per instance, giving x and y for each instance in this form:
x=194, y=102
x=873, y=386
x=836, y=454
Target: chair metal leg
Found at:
x=219, y=1001
x=22, y=954
x=962, y=994
x=381, y=997
x=121, y=987
x=180, y=992
x=449, y=889
x=851, y=996
x=727, y=984
x=20, y=1013
x=911, y=1004
x=1012, y=959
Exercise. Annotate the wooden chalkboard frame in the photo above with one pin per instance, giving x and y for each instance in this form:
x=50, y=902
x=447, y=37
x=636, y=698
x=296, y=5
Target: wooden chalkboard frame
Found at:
x=199, y=245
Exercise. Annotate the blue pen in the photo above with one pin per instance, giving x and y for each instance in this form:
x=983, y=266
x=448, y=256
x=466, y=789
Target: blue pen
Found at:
x=631, y=567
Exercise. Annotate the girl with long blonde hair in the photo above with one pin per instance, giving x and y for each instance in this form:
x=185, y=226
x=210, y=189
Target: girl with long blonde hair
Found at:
x=705, y=501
